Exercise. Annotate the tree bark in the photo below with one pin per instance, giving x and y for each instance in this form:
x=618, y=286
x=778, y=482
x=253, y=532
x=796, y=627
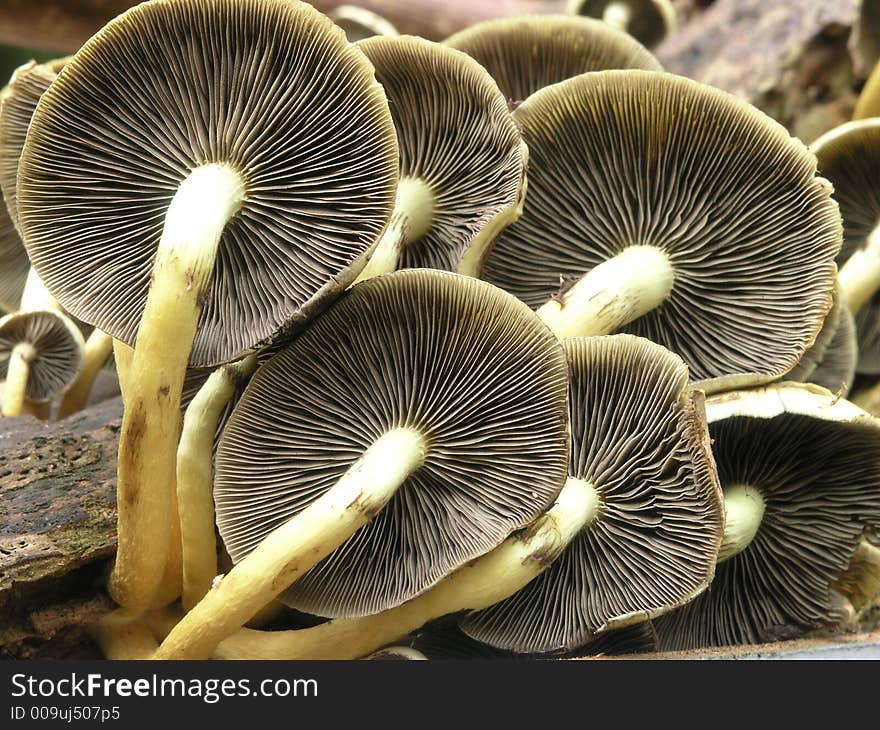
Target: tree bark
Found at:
x=57, y=529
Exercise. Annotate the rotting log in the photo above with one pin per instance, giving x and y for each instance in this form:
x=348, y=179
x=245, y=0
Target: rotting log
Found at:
x=57, y=529
x=793, y=60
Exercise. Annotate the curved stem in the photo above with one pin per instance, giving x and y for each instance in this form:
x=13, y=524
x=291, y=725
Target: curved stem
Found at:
x=868, y=103
x=290, y=550
x=182, y=269
x=489, y=579
x=860, y=583
x=412, y=218
x=15, y=389
x=124, y=639
x=859, y=277
x=612, y=294
x=36, y=296
x=99, y=346
x=195, y=477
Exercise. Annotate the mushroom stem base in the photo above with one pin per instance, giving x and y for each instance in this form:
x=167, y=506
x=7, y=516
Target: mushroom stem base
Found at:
x=614, y=293
x=744, y=509
x=486, y=581
x=295, y=547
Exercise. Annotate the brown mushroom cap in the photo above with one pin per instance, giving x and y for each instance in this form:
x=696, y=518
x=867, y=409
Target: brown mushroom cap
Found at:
x=59, y=350
x=528, y=53
x=849, y=156
x=457, y=137
x=639, y=437
x=271, y=88
x=815, y=459
x=650, y=21
x=464, y=364
x=626, y=158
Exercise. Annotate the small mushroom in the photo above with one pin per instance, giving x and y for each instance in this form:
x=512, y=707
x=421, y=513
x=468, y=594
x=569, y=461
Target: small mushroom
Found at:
x=648, y=21
x=848, y=156
x=221, y=170
x=671, y=210
x=528, y=53
x=359, y=23
x=462, y=161
x=640, y=441
x=47, y=349
x=408, y=430
x=800, y=470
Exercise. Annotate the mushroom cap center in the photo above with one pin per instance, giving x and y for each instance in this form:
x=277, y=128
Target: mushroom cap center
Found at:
x=744, y=507
x=418, y=201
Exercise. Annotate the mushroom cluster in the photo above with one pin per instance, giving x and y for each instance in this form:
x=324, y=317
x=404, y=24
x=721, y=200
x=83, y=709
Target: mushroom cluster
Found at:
x=510, y=345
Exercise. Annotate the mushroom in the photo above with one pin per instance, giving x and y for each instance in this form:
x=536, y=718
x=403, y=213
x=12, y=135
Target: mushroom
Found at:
x=40, y=355
x=359, y=23
x=14, y=263
x=668, y=209
x=639, y=439
x=800, y=470
x=433, y=393
x=635, y=530
x=221, y=170
x=648, y=21
x=17, y=104
x=462, y=161
x=848, y=156
x=528, y=53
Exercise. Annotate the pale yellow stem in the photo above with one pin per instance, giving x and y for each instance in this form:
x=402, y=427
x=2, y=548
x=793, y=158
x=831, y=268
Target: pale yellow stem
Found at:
x=859, y=277
x=195, y=477
x=744, y=509
x=868, y=103
x=36, y=296
x=413, y=216
x=295, y=547
x=617, y=291
x=182, y=269
x=122, y=357
x=17, y=374
x=99, y=346
x=485, y=581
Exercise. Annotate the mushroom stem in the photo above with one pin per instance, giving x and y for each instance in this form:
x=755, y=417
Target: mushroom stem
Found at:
x=861, y=581
x=412, y=218
x=612, y=294
x=194, y=223
x=124, y=640
x=23, y=354
x=487, y=580
x=195, y=477
x=618, y=15
x=744, y=509
x=860, y=276
x=290, y=550
x=868, y=103
x=97, y=351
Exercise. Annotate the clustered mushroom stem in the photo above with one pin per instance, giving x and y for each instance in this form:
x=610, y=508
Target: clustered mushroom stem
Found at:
x=36, y=296
x=744, y=509
x=195, y=477
x=617, y=291
x=124, y=640
x=860, y=583
x=17, y=374
x=860, y=276
x=99, y=346
x=489, y=579
x=290, y=550
x=194, y=223
x=618, y=15
x=412, y=218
